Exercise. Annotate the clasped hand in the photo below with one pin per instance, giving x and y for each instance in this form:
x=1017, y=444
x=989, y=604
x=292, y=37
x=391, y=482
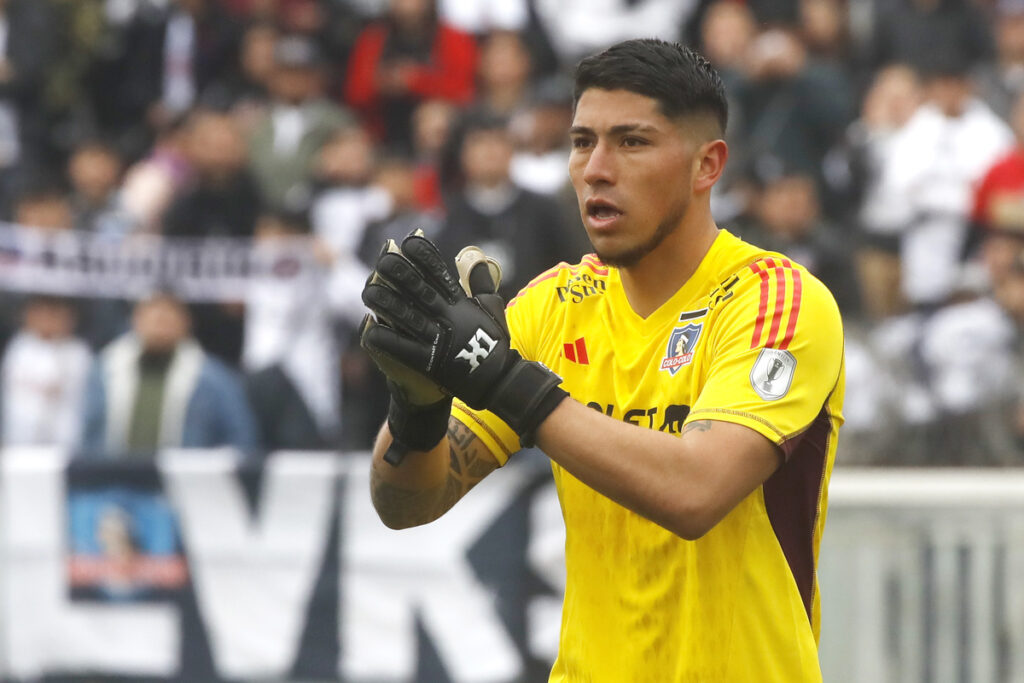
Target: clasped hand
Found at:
x=427, y=323
x=434, y=337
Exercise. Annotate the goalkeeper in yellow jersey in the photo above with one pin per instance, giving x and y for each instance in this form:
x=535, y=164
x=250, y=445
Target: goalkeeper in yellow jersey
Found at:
x=687, y=387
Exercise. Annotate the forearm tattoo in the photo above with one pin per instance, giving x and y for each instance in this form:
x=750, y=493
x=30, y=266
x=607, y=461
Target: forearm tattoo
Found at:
x=697, y=425
x=469, y=463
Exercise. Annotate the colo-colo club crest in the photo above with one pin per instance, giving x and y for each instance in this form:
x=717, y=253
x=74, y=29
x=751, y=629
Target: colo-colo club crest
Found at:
x=680, y=347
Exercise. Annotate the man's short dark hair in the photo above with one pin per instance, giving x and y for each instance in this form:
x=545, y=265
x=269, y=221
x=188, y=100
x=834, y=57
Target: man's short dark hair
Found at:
x=682, y=81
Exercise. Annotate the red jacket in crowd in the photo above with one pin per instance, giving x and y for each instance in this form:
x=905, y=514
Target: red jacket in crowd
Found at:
x=449, y=75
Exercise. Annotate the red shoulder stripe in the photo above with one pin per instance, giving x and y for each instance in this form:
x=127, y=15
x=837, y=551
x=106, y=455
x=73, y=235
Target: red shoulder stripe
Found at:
x=764, y=267
x=794, y=310
x=762, y=309
x=780, y=301
x=546, y=275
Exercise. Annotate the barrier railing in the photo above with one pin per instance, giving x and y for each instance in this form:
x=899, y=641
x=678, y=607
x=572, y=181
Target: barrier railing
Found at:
x=922, y=576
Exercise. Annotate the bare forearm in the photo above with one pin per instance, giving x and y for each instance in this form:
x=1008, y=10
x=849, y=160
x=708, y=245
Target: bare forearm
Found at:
x=427, y=484
x=678, y=483
x=407, y=494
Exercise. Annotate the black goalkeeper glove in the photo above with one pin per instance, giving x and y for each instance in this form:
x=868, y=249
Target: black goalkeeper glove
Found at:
x=418, y=409
x=429, y=326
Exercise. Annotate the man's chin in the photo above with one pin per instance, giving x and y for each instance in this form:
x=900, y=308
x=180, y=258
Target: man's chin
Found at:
x=629, y=256
x=617, y=259
x=612, y=254
x=623, y=258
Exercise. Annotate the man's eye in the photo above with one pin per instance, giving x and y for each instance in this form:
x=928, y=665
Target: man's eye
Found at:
x=580, y=143
x=633, y=142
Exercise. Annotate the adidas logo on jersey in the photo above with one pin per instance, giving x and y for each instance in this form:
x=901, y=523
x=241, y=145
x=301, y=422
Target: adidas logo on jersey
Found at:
x=576, y=351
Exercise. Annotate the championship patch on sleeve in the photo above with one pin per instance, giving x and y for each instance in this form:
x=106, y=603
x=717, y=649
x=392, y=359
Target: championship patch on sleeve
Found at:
x=772, y=373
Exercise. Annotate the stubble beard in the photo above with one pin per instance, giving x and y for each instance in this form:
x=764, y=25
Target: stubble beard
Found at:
x=634, y=255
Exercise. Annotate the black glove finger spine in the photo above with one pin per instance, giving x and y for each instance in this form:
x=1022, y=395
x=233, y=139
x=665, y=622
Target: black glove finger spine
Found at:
x=405, y=278
x=423, y=254
x=394, y=309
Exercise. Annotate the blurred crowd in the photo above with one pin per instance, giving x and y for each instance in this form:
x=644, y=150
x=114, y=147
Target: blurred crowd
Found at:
x=878, y=142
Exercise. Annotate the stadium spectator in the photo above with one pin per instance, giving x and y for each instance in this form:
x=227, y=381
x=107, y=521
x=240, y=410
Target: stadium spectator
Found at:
x=972, y=408
x=924, y=189
x=727, y=31
x=43, y=205
x=791, y=105
x=245, y=90
x=432, y=124
x=364, y=395
x=525, y=231
x=346, y=201
x=406, y=57
x=344, y=213
x=1000, y=80
x=42, y=377
x=290, y=355
x=542, y=149
x=222, y=199
x=155, y=388
x=398, y=177
x=924, y=32
x=284, y=144
x=998, y=206
x=889, y=103
x=822, y=27
x=542, y=153
x=94, y=171
x=152, y=183
x=504, y=74
x=27, y=50
x=164, y=56
x=79, y=29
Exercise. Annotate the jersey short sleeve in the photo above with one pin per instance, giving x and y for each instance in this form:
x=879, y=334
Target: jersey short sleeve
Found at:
x=775, y=353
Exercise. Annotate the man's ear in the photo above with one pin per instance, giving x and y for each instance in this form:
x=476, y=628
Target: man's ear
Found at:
x=709, y=162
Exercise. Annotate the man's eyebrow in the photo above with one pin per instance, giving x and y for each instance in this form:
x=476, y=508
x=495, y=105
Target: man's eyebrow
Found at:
x=619, y=129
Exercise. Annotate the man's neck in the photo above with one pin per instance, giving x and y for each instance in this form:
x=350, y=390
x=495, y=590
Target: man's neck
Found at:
x=660, y=274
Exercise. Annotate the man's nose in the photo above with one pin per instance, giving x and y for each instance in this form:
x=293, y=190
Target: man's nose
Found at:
x=600, y=166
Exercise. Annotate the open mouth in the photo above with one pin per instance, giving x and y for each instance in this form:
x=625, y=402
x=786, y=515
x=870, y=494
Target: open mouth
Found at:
x=602, y=210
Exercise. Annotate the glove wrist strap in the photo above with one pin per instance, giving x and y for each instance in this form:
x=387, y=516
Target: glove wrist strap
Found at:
x=525, y=396
x=417, y=428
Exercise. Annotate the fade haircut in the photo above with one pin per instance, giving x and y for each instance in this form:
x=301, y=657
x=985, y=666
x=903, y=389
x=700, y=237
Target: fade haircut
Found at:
x=682, y=81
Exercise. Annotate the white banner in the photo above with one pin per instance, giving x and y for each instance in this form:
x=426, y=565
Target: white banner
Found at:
x=77, y=263
x=193, y=568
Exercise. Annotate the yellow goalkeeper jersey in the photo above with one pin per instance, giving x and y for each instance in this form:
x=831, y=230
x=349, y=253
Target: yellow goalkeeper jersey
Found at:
x=751, y=338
